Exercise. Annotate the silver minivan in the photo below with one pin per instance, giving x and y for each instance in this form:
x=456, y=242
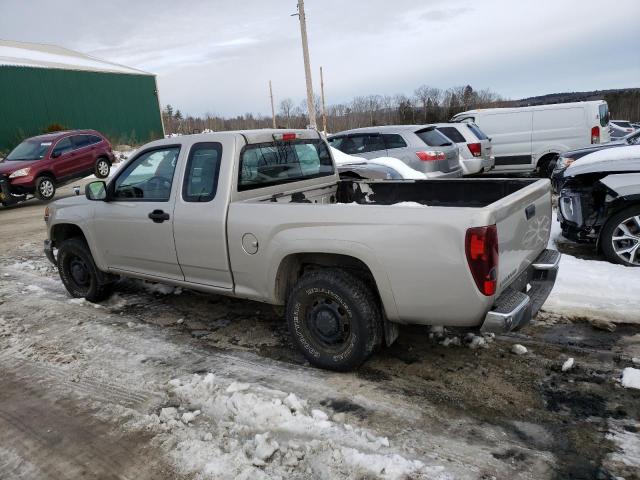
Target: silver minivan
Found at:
x=421, y=147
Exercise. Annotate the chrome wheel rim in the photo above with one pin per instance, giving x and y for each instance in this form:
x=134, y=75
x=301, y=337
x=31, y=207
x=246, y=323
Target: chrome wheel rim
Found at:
x=46, y=188
x=626, y=240
x=103, y=168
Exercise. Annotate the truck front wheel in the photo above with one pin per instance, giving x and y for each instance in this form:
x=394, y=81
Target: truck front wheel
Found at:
x=334, y=319
x=79, y=273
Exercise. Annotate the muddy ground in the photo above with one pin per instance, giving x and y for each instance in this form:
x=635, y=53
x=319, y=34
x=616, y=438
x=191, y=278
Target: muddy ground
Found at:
x=481, y=413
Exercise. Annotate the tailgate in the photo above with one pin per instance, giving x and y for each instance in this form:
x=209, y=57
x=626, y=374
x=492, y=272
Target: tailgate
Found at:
x=523, y=220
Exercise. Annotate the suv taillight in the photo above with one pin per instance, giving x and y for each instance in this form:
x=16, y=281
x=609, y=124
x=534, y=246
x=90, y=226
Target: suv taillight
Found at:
x=481, y=247
x=431, y=156
x=475, y=149
x=595, y=134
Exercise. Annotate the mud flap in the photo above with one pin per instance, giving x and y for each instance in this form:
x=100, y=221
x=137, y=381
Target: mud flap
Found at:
x=391, y=331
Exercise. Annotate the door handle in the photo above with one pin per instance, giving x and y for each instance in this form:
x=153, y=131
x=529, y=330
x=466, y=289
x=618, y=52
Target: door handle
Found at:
x=158, y=216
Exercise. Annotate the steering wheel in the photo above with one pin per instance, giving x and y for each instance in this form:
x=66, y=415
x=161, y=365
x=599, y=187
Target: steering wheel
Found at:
x=156, y=180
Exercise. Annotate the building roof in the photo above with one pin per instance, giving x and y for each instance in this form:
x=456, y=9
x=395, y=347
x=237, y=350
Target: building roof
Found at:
x=39, y=55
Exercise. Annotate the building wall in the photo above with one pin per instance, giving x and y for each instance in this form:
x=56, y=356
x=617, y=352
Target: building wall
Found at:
x=123, y=107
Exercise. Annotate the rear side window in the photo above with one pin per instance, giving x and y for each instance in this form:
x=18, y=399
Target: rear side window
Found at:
x=603, y=110
x=63, y=146
x=392, y=140
x=477, y=132
x=452, y=133
x=80, y=141
x=93, y=139
x=433, y=137
x=203, y=168
x=355, y=144
x=268, y=164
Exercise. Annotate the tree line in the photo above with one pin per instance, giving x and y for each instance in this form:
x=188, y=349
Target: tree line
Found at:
x=426, y=105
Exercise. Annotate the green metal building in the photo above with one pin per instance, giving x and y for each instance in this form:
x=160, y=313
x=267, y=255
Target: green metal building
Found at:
x=44, y=86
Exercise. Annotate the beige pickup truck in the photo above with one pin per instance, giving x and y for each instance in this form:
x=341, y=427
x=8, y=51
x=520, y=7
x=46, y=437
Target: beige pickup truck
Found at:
x=263, y=215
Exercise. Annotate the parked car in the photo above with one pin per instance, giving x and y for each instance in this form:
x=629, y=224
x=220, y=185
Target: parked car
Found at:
x=39, y=165
x=525, y=139
x=620, y=128
x=383, y=168
x=474, y=146
x=600, y=203
x=421, y=147
x=567, y=158
x=263, y=215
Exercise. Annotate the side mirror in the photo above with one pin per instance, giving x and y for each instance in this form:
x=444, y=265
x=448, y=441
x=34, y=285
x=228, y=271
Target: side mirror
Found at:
x=55, y=154
x=96, y=190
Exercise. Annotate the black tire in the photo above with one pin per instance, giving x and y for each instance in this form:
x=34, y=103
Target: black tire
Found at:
x=546, y=166
x=45, y=188
x=102, y=168
x=334, y=319
x=611, y=228
x=79, y=273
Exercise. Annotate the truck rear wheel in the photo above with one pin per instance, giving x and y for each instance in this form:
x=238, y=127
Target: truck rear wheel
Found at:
x=334, y=319
x=79, y=273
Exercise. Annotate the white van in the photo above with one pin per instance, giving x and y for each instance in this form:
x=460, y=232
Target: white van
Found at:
x=531, y=138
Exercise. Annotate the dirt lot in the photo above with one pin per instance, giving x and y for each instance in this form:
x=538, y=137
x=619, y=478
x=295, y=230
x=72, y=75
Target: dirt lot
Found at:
x=82, y=387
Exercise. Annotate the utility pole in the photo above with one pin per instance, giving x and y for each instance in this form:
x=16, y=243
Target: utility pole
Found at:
x=324, y=110
x=307, y=67
x=273, y=110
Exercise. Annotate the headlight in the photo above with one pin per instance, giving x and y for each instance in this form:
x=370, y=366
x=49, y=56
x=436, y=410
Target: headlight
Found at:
x=571, y=208
x=23, y=172
x=564, y=162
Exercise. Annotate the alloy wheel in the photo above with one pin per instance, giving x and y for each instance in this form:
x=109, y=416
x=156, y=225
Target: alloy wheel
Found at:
x=103, y=168
x=626, y=240
x=46, y=188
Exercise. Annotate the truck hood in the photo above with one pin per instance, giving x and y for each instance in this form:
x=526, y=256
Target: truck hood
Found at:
x=7, y=166
x=581, y=152
x=622, y=159
x=71, y=201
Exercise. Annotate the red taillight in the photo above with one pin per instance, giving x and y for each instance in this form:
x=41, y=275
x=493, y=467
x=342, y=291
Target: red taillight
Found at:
x=595, y=134
x=475, y=149
x=481, y=247
x=285, y=137
x=431, y=156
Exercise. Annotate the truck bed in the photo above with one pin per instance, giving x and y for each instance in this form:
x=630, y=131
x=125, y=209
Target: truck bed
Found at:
x=441, y=193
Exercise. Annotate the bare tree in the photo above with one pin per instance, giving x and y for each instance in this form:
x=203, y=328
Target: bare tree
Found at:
x=286, y=107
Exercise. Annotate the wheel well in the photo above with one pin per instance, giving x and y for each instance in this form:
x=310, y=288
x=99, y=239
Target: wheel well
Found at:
x=65, y=231
x=295, y=265
x=546, y=158
x=104, y=157
x=47, y=173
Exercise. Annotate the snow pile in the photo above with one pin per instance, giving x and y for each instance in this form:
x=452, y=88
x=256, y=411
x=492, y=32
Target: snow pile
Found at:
x=568, y=364
x=628, y=444
x=470, y=340
x=160, y=288
x=239, y=430
x=341, y=158
x=631, y=378
x=594, y=289
x=519, y=349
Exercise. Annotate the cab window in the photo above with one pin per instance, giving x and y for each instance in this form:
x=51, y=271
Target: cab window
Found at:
x=203, y=168
x=63, y=146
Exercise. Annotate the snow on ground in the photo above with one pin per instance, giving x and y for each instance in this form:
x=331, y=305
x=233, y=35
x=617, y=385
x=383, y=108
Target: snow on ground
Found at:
x=595, y=289
x=628, y=446
x=631, y=378
x=225, y=429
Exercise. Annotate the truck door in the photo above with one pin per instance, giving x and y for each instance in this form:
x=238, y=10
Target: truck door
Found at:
x=200, y=217
x=136, y=224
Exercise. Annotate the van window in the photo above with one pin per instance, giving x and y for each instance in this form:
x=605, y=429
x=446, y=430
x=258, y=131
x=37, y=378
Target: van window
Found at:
x=268, y=164
x=558, y=118
x=452, y=133
x=603, y=110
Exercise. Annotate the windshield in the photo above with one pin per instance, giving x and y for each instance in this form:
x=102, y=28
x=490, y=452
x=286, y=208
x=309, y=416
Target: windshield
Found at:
x=622, y=124
x=633, y=138
x=29, y=150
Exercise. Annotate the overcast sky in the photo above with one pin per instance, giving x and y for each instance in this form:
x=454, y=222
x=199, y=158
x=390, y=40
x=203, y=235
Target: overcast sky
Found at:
x=218, y=56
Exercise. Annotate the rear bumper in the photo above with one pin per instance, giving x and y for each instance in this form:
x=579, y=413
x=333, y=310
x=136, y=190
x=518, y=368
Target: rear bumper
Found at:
x=457, y=173
x=519, y=303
